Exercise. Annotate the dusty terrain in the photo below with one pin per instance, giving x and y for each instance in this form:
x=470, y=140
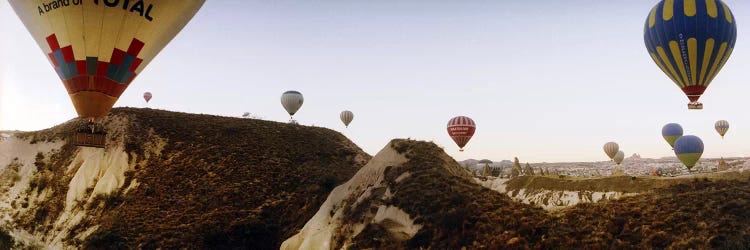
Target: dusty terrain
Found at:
x=174, y=180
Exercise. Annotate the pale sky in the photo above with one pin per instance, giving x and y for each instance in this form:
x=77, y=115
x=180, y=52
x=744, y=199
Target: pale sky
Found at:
x=544, y=80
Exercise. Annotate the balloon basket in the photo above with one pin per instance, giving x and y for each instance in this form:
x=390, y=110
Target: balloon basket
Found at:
x=695, y=105
x=293, y=122
x=90, y=135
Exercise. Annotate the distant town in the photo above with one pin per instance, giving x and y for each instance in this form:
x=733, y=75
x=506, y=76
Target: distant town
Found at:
x=632, y=166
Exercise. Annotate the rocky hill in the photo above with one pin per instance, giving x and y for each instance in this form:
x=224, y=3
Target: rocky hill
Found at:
x=170, y=180
x=411, y=195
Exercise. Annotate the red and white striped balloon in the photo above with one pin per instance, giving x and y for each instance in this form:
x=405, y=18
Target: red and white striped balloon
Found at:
x=461, y=129
x=147, y=96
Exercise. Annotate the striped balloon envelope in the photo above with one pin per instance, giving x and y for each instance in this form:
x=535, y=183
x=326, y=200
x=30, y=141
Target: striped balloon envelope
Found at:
x=346, y=117
x=671, y=132
x=292, y=101
x=722, y=127
x=611, y=148
x=688, y=149
x=619, y=157
x=461, y=129
x=690, y=41
x=98, y=47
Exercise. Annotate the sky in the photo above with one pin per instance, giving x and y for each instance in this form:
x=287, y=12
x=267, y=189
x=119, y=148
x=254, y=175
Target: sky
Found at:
x=545, y=81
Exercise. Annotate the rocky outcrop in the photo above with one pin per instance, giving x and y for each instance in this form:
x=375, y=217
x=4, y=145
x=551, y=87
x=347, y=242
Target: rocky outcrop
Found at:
x=169, y=180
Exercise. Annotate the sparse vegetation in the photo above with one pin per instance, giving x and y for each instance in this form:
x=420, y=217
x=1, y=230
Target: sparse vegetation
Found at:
x=223, y=182
x=696, y=213
x=231, y=183
x=625, y=184
x=105, y=239
x=39, y=161
x=6, y=241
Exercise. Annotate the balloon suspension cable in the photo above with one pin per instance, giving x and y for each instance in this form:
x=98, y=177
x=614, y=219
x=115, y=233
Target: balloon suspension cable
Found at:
x=90, y=124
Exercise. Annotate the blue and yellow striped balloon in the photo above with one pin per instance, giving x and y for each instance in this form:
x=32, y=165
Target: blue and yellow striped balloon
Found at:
x=722, y=126
x=671, y=132
x=688, y=149
x=690, y=40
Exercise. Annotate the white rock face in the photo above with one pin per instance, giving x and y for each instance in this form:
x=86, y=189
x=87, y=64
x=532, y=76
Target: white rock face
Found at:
x=497, y=184
x=102, y=171
x=550, y=199
x=17, y=157
x=92, y=172
x=398, y=223
x=318, y=233
x=100, y=168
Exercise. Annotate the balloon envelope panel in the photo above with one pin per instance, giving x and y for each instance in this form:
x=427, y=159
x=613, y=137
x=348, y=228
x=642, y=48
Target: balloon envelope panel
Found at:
x=690, y=41
x=97, y=48
x=671, y=132
x=672, y=129
x=619, y=157
x=688, y=149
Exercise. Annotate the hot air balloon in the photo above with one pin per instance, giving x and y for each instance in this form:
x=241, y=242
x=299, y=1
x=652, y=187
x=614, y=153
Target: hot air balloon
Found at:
x=688, y=149
x=690, y=41
x=671, y=132
x=722, y=127
x=619, y=157
x=346, y=117
x=292, y=101
x=611, y=148
x=461, y=129
x=147, y=96
x=97, y=47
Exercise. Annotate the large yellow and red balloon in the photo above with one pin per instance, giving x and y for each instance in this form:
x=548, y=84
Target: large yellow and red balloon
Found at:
x=97, y=47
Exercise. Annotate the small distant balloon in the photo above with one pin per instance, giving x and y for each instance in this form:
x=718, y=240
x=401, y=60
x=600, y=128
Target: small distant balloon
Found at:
x=611, y=148
x=688, y=149
x=671, y=132
x=346, y=117
x=461, y=129
x=246, y=114
x=722, y=127
x=147, y=96
x=619, y=157
x=292, y=101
